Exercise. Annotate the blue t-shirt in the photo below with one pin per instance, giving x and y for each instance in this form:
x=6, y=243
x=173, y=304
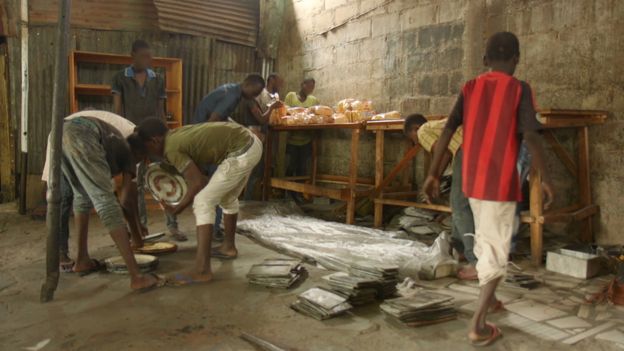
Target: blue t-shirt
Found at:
x=222, y=100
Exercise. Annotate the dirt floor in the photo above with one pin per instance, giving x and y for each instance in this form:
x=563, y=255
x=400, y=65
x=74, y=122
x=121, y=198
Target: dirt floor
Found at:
x=99, y=312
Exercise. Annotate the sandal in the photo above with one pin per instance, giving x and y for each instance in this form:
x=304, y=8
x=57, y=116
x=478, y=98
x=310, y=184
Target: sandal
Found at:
x=96, y=266
x=482, y=341
x=180, y=279
x=215, y=253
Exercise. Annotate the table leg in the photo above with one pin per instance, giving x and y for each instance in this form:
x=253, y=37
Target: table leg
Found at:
x=355, y=141
x=584, y=182
x=379, y=173
x=268, y=155
x=315, y=146
x=536, y=211
x=406, y=176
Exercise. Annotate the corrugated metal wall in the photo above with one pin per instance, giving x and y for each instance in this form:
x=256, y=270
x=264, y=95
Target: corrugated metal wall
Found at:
x=207, y=64
x=235, y=21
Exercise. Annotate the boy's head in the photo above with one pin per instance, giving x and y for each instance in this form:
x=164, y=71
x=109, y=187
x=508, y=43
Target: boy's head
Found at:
x=502, y=52
x=308, y=85
x=411, y=125
x=141, y=55
x=275, y=82
x=148, y=138
x=252, y=86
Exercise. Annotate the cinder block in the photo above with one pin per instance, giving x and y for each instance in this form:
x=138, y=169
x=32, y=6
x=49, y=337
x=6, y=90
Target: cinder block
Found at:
x=451, y=10
x=357, y=30
x=385, y=24
x=415, y=105
x=330, y=4
x=575, y=264
x=418, y=17
x=343, y=13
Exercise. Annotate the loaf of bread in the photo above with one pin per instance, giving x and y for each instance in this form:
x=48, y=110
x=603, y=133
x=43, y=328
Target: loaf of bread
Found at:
x=387, y=116
x=344, y=105
x=294, y=110
x=321, y=110
x=340, y=118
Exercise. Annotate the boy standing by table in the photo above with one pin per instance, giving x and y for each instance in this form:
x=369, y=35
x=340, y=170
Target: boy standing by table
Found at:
x=497, y=113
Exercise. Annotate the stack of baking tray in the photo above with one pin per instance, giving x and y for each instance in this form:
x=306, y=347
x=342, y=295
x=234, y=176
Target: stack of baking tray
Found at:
x=277, y=273
x=321, y=304
x=359, y=291
x=521, y=281
x=423, y=308
x=386, y=276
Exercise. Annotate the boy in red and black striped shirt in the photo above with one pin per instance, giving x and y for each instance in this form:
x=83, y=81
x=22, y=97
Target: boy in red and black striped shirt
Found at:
x=497, y=112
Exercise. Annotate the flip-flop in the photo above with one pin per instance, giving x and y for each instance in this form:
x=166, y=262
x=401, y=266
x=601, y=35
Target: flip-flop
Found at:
x=483, y=341
x=153, y=237
x=160, y=282
x=67, y=267
x=178, y=236
x=182, y=280
x=215, y=253
x=96, y=267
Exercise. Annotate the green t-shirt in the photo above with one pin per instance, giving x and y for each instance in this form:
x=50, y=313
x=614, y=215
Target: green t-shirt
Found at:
x=206, y=143
x=299, y=137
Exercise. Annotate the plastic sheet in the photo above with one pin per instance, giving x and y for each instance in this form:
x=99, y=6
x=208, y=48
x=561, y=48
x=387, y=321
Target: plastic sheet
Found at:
x=333, y=245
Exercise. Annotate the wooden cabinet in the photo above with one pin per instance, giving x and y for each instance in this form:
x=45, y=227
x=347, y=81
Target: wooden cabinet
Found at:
x=173, y=80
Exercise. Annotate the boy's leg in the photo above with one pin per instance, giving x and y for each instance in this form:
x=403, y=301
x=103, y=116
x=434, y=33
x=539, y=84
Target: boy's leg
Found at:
x=142, y=169
x=218, y=231
x=493, y=225
x=233, y=183
x=67, y=197
x=462, y=218
x=172, y=226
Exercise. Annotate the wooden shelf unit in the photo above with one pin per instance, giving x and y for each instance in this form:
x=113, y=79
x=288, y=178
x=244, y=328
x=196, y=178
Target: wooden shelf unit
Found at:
x=173, y=80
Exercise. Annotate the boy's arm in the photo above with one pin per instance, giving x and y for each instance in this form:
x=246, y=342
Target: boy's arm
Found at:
x=536, y=149
x=196, y=182
x=431, y=187
x=117, y=105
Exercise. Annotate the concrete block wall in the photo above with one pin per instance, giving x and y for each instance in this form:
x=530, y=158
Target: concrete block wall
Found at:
x=413, y=56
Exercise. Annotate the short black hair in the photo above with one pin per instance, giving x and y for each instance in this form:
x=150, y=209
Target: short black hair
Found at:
x=414, y=118
x=309, y=80
x=502, y=46
x=150, y=128
x=255, y=79
x=139, y=44
x=272, y=76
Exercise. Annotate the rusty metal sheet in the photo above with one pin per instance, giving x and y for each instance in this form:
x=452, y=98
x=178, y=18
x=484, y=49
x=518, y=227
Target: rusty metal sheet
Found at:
x=235, y=21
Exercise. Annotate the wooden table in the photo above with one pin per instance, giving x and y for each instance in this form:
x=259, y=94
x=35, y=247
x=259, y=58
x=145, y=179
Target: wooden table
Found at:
x=345, y=188
x=582, y=210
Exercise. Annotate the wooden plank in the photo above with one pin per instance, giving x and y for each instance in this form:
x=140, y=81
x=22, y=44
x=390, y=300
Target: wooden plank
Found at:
x=403, y=203
x=356, y=125
x=536, y=211
x=584, y=182
x=7, y=141
x=396, y=124
x=409, y=155
x=550, y=123
x=563, y=155
x=344, y=179
x=400, y=195
x=355, y=143
x=577, y=215
x=379, y=172
x=73, y=80
x=336, y=194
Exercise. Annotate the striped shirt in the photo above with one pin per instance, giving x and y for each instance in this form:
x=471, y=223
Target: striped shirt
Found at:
x=430, y=132
x=494, y=108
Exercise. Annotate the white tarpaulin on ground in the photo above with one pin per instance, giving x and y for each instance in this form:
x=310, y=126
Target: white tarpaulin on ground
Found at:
x=335, y=245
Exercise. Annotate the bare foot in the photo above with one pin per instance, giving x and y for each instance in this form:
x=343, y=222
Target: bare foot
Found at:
x=146, y=282
x=468, y=272
x=188, y=278
x=85, y=265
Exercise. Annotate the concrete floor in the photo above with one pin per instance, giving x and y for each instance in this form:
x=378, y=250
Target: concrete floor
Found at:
x=99, y=312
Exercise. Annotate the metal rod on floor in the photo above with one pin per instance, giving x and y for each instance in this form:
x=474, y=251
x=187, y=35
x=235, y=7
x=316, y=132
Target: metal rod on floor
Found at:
x=59, y=98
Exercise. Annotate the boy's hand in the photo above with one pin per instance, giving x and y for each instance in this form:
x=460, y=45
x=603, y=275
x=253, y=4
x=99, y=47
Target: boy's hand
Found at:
x=168, y=208
x=276, y=104
x=549, y=194
x=431, y=188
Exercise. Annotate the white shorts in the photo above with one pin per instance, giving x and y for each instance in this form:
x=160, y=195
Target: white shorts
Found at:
x=494, y=224
x=226, y=184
